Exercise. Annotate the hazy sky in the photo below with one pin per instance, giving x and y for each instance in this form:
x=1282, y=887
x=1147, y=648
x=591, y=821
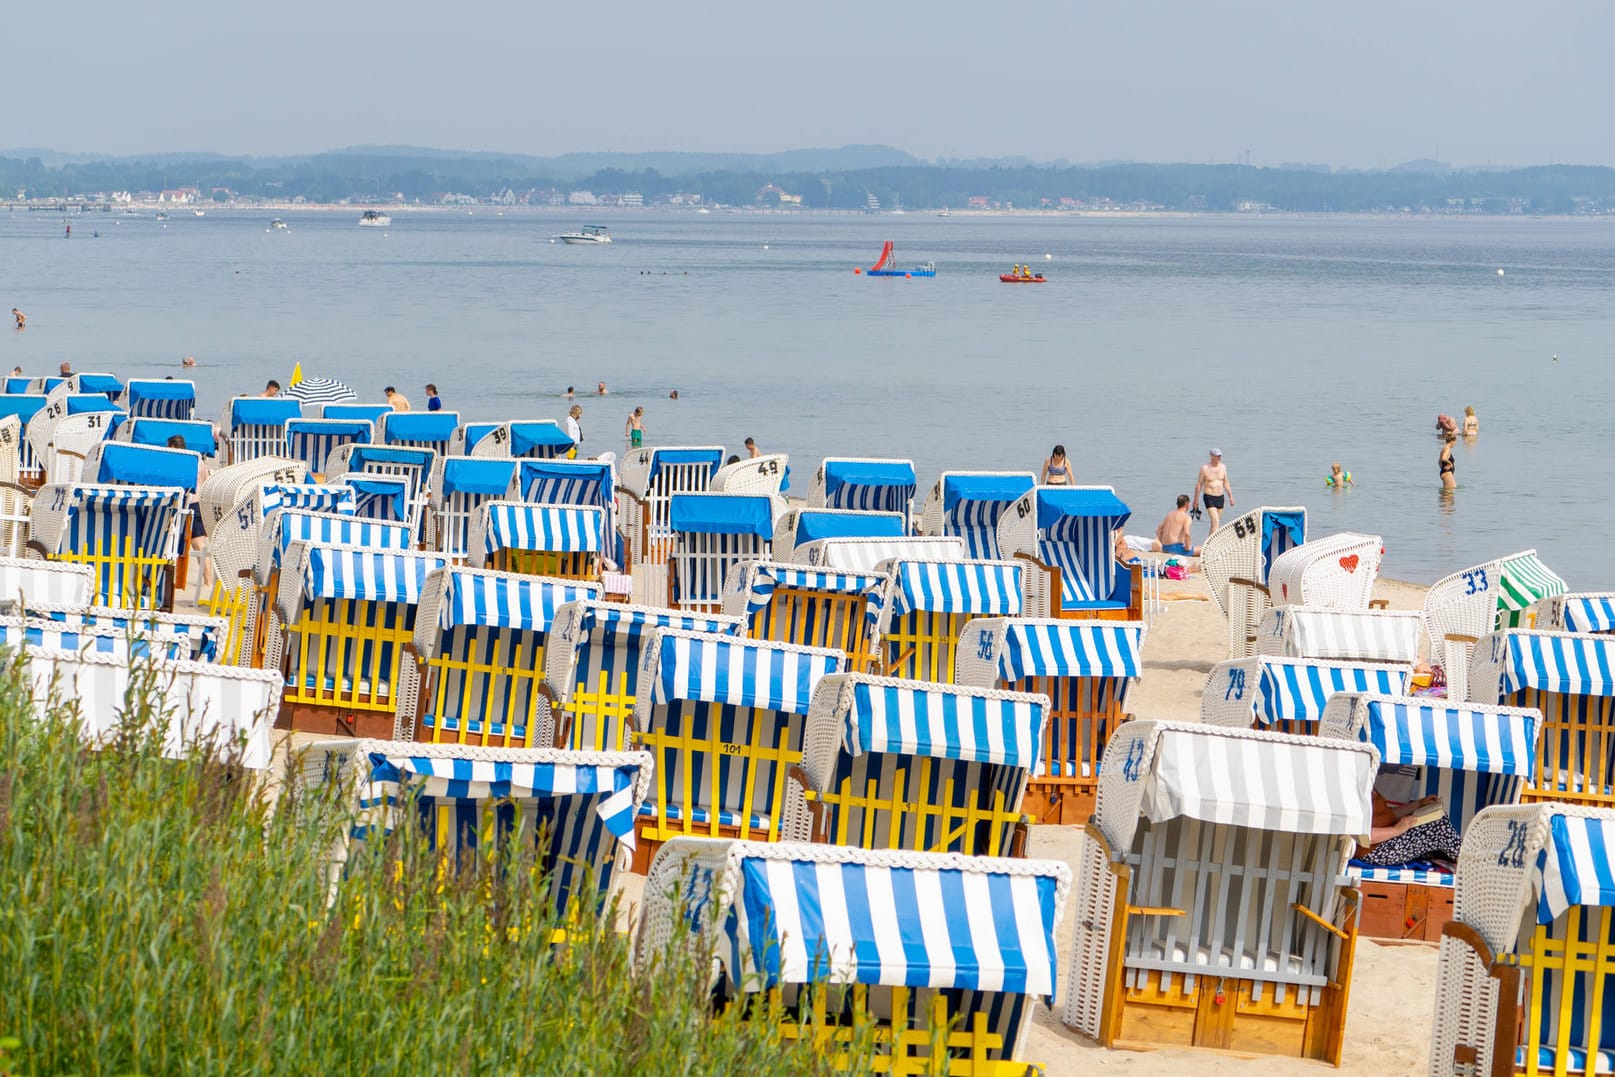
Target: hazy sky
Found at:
x=1358, y=84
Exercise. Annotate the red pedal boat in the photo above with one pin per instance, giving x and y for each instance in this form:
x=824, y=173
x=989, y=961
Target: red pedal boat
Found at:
x=1010, y=278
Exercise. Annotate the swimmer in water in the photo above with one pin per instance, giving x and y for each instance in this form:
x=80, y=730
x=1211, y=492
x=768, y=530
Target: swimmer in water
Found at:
x=1337, y=479
x=188, y=361
x=22, y=319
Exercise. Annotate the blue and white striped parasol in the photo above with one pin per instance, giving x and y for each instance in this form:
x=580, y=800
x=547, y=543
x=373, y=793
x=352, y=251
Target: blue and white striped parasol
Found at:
x=321, y=391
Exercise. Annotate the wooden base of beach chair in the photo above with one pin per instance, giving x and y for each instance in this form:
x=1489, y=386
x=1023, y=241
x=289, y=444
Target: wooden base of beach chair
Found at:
x=1223, y=1013
x=1063, y=803
x=645, y=847
x=335, y=720
x=1405, y=911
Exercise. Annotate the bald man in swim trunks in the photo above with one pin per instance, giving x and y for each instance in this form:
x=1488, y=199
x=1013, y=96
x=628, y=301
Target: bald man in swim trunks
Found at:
x=1212, y=488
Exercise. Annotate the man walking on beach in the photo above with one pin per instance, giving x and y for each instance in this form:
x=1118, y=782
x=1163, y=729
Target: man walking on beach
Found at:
x=1212, y=488
x=1173, y=536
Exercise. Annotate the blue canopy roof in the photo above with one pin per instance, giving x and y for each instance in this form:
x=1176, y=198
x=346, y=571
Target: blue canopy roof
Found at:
x=142, y=465
x=475, y=432
x=330, y=428
x=379, y=497
x=1281, y=530
x=815, y=524
x=564, y=482
x=419, y=426
x=160, y=389
x=389, y=454
x=88, y=403
x=477, y=475
x=17, y=386
x=957, y=488
x=105, y=384
x=22, y=406
x=722, y=514
x=538, y=436
x=263, y=410
x=661, y=458
x=368, y=412
x=839, y=473
x=1056, y=503
x=156, y=432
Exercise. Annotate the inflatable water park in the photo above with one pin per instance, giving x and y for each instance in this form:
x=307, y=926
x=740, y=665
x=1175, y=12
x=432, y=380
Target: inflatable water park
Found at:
x=886, y=268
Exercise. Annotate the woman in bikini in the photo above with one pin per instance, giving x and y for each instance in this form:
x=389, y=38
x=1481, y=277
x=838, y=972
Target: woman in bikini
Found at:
x=1445, y=463
x=1057, y=469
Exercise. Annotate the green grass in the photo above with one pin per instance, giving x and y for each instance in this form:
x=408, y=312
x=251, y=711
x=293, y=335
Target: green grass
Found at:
x=158, y=916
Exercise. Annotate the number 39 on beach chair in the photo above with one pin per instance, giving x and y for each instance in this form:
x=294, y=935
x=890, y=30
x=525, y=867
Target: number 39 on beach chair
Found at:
x=723, y=718
x=1085, y=669
x=1214, y=917
x=1066, y=536
x=834, y=936
x=561, y=541
x=1238, y=558
x=927, y=606
x=128, y=534
x=809, y=606
x=1288, y=695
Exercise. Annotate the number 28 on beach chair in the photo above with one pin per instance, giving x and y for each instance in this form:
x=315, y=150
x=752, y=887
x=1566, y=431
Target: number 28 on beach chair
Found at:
x=1212, y=914
x=129, y=535
x=561, y=541
x=809, y=606
x=1085, y=669
x=1461, y=608
x=1066, y=536
x=1238, y=558
x=971, y=504
x=1288, y=695
x=927, y=606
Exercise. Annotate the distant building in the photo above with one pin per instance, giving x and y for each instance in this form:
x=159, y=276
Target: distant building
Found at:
x=178, y=195
x=633, y=200
x=770, y=195
x=977, y=202
x=582, y=198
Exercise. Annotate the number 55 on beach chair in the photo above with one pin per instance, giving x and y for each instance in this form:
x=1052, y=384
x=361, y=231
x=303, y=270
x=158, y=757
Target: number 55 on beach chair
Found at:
x=835, y=937
x=1216, y=917
x=1237, y=559
x=129, y=535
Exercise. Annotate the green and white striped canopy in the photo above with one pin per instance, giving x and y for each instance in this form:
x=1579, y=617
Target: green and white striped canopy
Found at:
x=1525, y=580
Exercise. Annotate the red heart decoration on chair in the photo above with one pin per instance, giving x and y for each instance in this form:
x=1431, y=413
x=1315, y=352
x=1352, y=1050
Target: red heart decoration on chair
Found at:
x=1349, y=563
x=1284, y=589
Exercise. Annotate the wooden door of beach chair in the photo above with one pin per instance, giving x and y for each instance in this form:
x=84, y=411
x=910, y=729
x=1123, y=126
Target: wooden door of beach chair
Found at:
x=1237, y=559
x=809, y=607
x=341, y=618
x=866, y=484
x=1461, y=608
x=723, y=718
x=539, y=439
x=22, y=408
x=418, y=430
x=1066, y=535
x=1524, y=982
x=711, y=534
x=117, y=463
x=1578, y=611
x=459, y=486
x=1336, y=571
x=647, y=481
x=765, y=475
x=561, y=541
x=591, y=667
x=1341, y=635
x=927, y=606
x=1471, y=757
x=477, y=659
x=26, y=583
x=866, y=554
x=256, y=426
x=935, y=768
x=1213, y=917
x=159, y=398
x=1288, y=695
x=573, y=810
x=1086, y=670
x=129, y=536
x=314, y=440
x=970, y=504
x=800, y=526
x=832, y=937
x=1571, y=679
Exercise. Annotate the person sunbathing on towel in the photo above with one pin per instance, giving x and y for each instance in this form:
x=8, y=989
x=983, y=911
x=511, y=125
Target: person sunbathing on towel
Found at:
x=1404, y=833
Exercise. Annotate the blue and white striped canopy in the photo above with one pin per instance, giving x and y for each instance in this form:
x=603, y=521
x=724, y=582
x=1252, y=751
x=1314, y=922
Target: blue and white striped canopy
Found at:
x=143, y=465
x=626, y=621
x=505, y=600
x=494, y=779
x=1296, y=690
x=310, y=496
x=1578, y=665
x=370, y=457
x=100, y=518
x=1454, y=736
x=809, y=914
x=815, y=524
x=722, y=514
x=379, y=497
x=432, y=428
x=313, y=440
x=877, y=485
x=741, y=672
x=333, y=529
x=763, y=578
x=538, y=439
x=514, y=525
x=985, y=588
x=1282, y=529
x=564, y=482
x=368, y=412
x=264, y=411
x=332, y=572
x=1575, y=865
x=1063, y=648
x=660, y=458
x=160, y=398
x=486, y=476
x=1589, y=613
x=944, y=722
x=156, y=432
x=999, y=489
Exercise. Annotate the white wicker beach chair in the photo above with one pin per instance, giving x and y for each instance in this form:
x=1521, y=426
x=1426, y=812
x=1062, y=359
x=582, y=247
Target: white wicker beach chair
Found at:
x=477, y=659
x=357, y=465
x=466, y=436
x=256, y=426
x=647, y=480
x=866, y=484
x=1289, y=695
x=93, y=384
x=459, y=486
x=834, y=935
x=1461, y=608
x=229, y=486
x=538, y=439
x=866, y=554
x=313, y=441
x=1066, y=537
x=69, y=422
x=1341, y=635
x=723, y=718
x=1579, y=611
x=711, y=533
x=129, y=536
x=26, y=583
x=1215, y=916
x=30, y=469
x=1085, y=669
x=970, y=504
x=763, y=475
x=562, y=541
x=797, y=526
x=889, y=764
x=16, y=501
x=927, y=606
x=1335, y=571
x=812, y=607
x=418, y=429
x=159, y=398
x=1237, y=559
x=189, y=637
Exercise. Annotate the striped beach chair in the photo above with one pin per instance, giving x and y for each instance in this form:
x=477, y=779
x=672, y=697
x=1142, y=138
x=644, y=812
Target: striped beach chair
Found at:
x=1212, y=915
x=1470, y=756
x=107, y=385
x=926, y=608
x=866, y=554
x=1571, y=679
x=478, y=659
x=971, y=504
x=353, y=464
x=356, y=412
x=313, y=441
x=832, y=936
x=723, y=718
x=1341, y=635
x=1526, y=979
x=931, y=768
x=384, y=498
x=198, y=436
x=537, y=439
x=870, y=485
x=582, y=483
x=119, y=463
x=19, y=633
x=418, y=429
x=800, y=526
x=459, y=486
x=190, y=637
x=1066, y=536
x=1086, y=670
x=1578, y=611
x=1238, y=559
x=229, y=486
x=1288, y=695
x=16, y=500
x=811, y=607
x=591, y=666
x=575, y=809
x=224, y=711
x=648, y=479
x=538, y=540
x=1461, y=608
x=29, y=468
x=341, y=618
x=159, y=398
x=129, y=536
x=29, y=583
x=712, y=533
x=256, y=426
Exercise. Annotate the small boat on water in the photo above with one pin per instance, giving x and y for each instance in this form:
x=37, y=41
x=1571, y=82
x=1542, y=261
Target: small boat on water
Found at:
x=1022, y=275
x=199, y=212
x=589, y=233
x=885, y=268
x=372, y=219
x=162, y=216
x=277, y=224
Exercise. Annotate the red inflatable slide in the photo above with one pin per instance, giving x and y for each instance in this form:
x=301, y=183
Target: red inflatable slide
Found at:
x=885, y=256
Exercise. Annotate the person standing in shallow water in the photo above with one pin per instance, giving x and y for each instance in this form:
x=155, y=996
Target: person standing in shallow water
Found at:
x=1446, y=464
x=635, y=428
x=1471, y=422
x=1057, y=469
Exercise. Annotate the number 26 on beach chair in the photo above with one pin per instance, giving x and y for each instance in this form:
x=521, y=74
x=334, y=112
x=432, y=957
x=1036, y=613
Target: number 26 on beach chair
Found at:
x=723, y=718
x=809, y=606
x=927, y=606
x=1238, y=558
x=1211, y=918
x=1066, y=536
x=1085, y=669
x=832, y=936
x=129, y=535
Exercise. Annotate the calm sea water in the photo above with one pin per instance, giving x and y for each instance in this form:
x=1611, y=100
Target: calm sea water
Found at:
x=1286, y=342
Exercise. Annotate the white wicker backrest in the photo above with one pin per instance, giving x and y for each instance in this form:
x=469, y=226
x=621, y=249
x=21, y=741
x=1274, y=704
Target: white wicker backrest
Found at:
x=1357, y=635
x=1234, y=550
x=1463, y=604
x=760, y=475
x=10, y=448
x=1337, y=571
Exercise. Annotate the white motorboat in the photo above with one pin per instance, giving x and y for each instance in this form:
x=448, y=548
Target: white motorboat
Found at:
x=278, y=225
x=589, y=233
x=372, y=219
x=200, y=212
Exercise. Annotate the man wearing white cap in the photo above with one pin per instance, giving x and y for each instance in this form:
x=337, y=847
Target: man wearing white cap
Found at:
x=1212, y=489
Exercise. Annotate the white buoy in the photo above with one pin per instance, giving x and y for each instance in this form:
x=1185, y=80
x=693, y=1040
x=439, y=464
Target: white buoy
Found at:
x=1499, y=272
x=1048, y=257
x=765, y=246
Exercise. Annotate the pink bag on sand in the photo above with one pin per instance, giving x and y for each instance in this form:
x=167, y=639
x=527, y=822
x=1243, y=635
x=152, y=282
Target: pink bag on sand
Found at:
x=1175, y=571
